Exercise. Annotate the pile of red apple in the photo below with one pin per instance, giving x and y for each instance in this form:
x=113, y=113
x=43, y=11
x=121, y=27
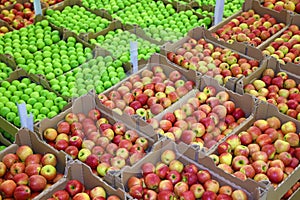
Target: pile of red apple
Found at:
x=51, y=2
x=25, y=174
x=278, y=5
x=171, y=179
x=249, y=27
x=6, y=3
x=203, y=56
x=291, y=191
x=203, y=120
x=277, y=89
x=96, y=142
x=267, y=150
x=75, y=190
x=148, y=93
x=286, y=48
x=19, y=16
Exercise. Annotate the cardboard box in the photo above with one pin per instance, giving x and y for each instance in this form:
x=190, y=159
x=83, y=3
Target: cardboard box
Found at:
x=156, y=59
x=281, y=17
x=239, y=101
x=243, y=50
x=264, y=111
x=188, y=156
x=84, y=104
x=295, y=195
x=81, y=172
x=26, y=137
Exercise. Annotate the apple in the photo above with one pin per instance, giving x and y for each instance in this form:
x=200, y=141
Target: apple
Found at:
x=37, y=183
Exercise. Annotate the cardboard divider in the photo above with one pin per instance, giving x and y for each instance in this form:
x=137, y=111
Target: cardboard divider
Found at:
x=4, y=23
x=155, y=59
x=186, y=155
x=82, y=105
x=295, y=195
x=4, y=141
x=26, y=137
x=245, y=51
x=9, y=128
x=76, y=170
x=281, y=17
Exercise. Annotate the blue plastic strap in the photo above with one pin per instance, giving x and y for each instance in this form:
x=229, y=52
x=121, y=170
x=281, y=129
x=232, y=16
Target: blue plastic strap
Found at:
x=30, y=122
x=219, y=9
x=37, y=7
x=134, y=55
x=23, y=114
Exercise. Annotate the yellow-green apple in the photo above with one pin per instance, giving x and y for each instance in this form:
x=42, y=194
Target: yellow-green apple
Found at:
x=281, y=146
x=167, y=156
x=50, y=134
x=23, y=152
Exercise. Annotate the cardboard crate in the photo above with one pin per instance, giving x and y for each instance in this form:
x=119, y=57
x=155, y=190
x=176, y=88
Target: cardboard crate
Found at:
x=239, y=101
x=26, y=137
x=156, y=59
x=81, y=172
x=83, y=105
x=186, y=155
x=295, y=195
x=281, y=17
x=243, y=50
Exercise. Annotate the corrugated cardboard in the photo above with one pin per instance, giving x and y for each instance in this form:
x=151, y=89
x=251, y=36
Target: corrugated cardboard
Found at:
x=245, y=51
x=81, y=172
x=284, y=16
x=84, y=104
x=187, y=156
x=26, y=137
x=4, y=141
x=295, y=195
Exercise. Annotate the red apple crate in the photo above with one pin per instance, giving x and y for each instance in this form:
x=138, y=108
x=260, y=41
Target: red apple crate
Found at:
x=290, y=69
x=264, y=111
x=26, y=137
x=5, y=24
x=263, y=1
x=188, y=155
x=53, y=6
x=75, y=170
x=281, y=17
x=84, y=104
x=155, y=59
x=245, y=51
x=239, y=100
x=295, y=195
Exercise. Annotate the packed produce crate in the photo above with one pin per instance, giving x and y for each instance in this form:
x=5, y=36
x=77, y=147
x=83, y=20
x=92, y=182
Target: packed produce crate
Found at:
x=80, y=182
x=5, y=139
x=254, y=25
x=102, y=141
x=280, y=5
x=264, y=149
x=276, y=85
x=172, y=171
x=4, y=28
x=225, y=62
x=7, y=66
x=52, y=3
x=29, y=167
x=156, y=86
x=203, y=117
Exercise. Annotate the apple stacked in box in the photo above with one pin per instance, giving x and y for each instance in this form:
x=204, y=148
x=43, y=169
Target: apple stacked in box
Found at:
x=278, y=89
x=111, y=6
x=6, y=3
x=213, y=61
x=118, y=43
x=98, y=73
x=3, y=30
x=39, y=101
x=77, y=19
x=208, y=15
x=164, y=17
x=25, y=174
x=249, y=27
x=203, y=120
x=147, y=93
x=5, y=71
x=230, y=6
x=286, y=48
x=21, y=15
x=267, y=150
x=278, y=5
x=51, y=2
x=291, y=191
x=171, y=179
x=95, y=141
x=75, y=190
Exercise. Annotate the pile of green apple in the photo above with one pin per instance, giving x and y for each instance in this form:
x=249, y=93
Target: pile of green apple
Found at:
x=230, y=6
x=39, y=101
x=111, y=6
x=2, y=147
x=163, y=16
x=5, y=71
x=77, y=19
x=98, y=74
x=7, y=136
x=118, y=43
